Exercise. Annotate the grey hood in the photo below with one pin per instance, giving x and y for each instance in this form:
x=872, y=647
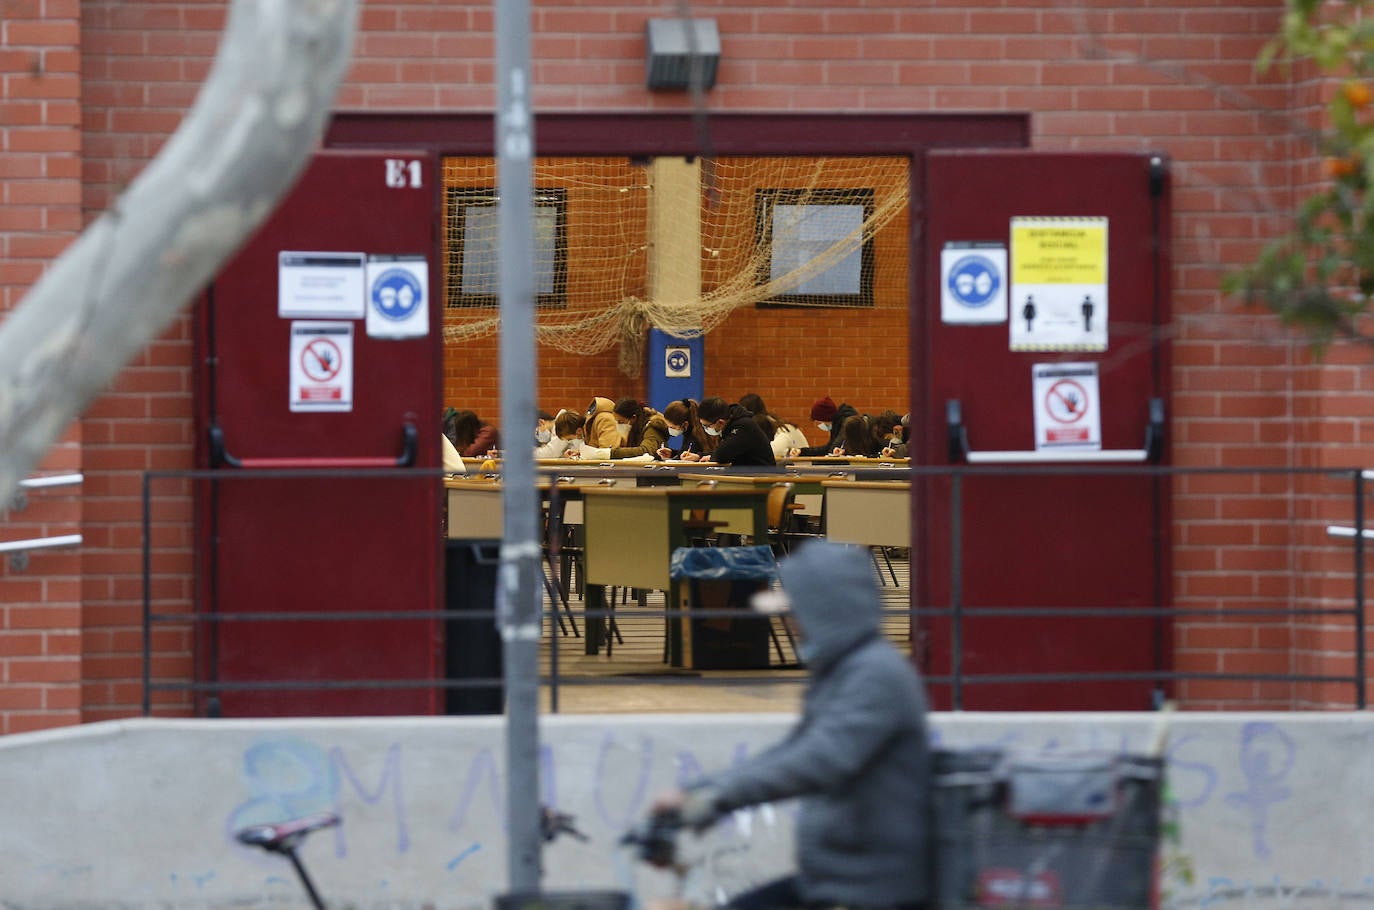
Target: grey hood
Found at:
x=834, y=596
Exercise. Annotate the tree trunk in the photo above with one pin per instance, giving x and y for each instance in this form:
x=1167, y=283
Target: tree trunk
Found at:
x=258, y=117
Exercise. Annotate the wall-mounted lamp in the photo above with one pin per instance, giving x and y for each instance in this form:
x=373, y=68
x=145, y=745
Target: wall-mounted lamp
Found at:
x=681, y=51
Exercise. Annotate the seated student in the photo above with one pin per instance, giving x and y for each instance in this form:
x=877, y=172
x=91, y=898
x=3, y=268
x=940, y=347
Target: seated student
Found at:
x=828, y=419
x=785, y=436
x=899, y=446
x=644, y=431
x=685, y=423
x=473, y=438
x=856, y=438
x=741, y=440
x=567, y=436
x=453, y=462
x=543, y=428
x=602, y=430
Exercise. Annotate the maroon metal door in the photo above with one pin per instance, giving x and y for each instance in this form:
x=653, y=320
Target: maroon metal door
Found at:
x=1086, y=538
x=309, y=378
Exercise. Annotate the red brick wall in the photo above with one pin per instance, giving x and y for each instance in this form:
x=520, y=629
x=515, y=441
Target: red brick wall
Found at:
x=142, y=65
x=40, y=213
x=1174, y=79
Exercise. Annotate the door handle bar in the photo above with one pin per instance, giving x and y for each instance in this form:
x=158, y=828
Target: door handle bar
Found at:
x=959, y=451
x=221, y=457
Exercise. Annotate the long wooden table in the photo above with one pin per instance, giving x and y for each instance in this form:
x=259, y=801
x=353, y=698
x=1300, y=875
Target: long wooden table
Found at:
x=630, y=536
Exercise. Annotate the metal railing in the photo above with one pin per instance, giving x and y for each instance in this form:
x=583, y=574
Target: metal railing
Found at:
x=954, y=609
x=19, y=549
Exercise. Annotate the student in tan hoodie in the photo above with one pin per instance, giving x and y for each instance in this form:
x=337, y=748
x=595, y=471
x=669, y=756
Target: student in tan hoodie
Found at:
x=602, y=430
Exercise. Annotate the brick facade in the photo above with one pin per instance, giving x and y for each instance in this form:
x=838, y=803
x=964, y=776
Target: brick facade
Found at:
x=41, y=636
x=90, y=91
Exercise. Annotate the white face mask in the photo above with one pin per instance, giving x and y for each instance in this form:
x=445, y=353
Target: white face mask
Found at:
x=712, y=431
x=823, y=427
x=574, y=444
x=674, y=432
x=542, y=436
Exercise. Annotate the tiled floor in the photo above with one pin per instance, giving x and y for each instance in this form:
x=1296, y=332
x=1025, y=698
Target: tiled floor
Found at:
x=634, y=677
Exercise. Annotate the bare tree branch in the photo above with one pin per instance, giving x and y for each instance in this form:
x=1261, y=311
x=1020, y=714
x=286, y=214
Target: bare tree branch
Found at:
x=259, y=115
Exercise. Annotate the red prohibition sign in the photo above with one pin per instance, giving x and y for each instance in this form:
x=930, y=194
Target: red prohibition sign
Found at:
x=1066, y=401
x=321, y=360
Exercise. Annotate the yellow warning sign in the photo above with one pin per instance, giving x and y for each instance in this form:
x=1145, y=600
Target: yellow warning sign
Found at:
x=1059, y=251
x=1058, y=296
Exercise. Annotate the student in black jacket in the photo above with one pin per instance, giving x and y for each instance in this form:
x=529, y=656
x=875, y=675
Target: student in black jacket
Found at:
x=741, y=440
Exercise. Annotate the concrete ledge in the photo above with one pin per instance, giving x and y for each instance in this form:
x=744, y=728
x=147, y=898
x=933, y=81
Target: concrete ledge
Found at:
x=1276, y=808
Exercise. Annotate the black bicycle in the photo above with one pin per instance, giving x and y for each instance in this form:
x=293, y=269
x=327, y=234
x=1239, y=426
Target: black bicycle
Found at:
x=285, y=839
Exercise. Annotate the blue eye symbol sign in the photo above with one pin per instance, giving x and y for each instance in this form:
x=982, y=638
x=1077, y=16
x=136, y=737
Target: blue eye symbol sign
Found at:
x=677, y=360
x=396, y=293
x=974, y=280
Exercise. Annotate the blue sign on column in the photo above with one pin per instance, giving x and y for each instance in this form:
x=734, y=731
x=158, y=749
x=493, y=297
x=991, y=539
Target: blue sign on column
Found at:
x=674, y=368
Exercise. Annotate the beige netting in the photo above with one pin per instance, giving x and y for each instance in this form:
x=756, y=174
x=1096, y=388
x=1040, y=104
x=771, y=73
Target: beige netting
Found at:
x=625, y=245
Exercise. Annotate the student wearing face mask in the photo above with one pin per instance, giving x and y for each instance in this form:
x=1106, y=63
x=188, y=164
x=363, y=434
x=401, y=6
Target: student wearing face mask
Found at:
x=566, y=441
x=741, y=442
x=684, y=424
x=543, y=428
x=643, y=431
x=829, y=418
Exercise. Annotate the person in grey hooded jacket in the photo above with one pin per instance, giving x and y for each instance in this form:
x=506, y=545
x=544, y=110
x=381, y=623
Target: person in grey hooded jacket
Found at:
x=858, y=757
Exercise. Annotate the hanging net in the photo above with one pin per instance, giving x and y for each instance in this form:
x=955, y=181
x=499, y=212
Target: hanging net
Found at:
x=624, y=245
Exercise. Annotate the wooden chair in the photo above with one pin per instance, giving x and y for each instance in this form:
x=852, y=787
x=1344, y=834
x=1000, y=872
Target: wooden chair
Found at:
x=698, y=526
x=782, y=509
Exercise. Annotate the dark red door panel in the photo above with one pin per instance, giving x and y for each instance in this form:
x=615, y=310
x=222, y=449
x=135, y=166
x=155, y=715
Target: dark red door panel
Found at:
x=1091, y=539
x=272, y=539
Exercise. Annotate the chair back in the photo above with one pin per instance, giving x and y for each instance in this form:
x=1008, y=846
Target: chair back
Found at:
x=779, y=495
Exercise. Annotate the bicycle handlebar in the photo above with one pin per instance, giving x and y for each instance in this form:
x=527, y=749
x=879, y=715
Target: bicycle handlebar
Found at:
x=655, y=840
x=282, y=837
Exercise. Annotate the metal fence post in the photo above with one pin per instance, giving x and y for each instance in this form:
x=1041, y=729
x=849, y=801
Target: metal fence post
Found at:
x=1359, y=591
x=956, y=589
x=147, y=597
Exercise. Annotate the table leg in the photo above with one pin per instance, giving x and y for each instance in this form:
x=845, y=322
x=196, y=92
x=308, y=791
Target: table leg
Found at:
x=593, y=626
x=675, y=625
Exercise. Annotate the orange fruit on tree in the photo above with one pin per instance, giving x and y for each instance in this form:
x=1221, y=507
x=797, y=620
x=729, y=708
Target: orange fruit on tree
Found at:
x=1337, y=168
x=1357, y=93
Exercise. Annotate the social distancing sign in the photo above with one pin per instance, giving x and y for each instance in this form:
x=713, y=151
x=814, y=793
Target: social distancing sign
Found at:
x=1067, y=410
x=1058, y=295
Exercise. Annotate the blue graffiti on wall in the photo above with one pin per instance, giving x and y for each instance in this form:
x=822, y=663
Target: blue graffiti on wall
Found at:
x=1267, y=755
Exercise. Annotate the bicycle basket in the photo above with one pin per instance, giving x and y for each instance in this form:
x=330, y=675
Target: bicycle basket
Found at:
x=1045, y=833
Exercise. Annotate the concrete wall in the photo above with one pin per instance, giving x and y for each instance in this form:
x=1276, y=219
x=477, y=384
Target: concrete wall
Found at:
x=1275, y=807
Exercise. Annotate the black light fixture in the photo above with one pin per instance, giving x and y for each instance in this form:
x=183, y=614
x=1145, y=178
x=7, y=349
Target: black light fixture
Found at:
x=681, y=52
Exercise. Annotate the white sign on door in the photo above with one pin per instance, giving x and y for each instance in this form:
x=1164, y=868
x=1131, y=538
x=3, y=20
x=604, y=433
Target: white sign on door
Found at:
x=321, y=366
x=1067, y=412
x=973, y=283
x=1058, y=284
x=397, y=296
x=320, y=285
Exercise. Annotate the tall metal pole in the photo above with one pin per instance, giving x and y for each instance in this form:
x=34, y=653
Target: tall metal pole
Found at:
x=519, y=597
